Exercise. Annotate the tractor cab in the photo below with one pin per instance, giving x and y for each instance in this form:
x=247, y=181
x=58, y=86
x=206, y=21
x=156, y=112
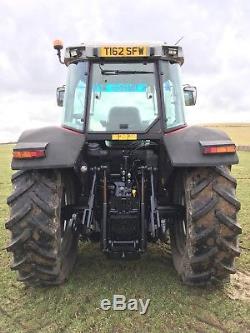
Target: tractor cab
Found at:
x=125, y=90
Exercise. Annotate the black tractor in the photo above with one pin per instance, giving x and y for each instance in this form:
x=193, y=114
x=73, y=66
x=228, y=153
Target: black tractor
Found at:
x=123, y=170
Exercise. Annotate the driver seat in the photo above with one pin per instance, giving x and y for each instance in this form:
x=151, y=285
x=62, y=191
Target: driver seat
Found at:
x=123, y=118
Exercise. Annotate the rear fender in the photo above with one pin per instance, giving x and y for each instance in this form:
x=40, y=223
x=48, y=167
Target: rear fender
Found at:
x=184, y=147
x=62, y=148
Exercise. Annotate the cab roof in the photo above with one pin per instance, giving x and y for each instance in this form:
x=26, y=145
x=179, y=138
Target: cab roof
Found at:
x=123, y=52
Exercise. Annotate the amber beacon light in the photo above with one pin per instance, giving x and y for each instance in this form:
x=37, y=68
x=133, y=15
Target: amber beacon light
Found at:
x=58, y=45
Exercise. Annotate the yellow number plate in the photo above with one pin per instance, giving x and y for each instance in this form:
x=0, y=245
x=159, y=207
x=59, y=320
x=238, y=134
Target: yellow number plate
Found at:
x=124, y=51
x=124, y=137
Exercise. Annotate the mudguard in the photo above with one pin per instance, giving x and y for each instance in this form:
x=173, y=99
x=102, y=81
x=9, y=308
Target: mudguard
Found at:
x=62, y=146
x=184, y=147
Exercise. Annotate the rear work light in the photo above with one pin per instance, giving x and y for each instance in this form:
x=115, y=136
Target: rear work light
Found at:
x=28, y=154
x=217, y=147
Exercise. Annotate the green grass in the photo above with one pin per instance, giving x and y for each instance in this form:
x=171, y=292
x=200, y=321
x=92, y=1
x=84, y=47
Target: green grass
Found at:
x=75, y=306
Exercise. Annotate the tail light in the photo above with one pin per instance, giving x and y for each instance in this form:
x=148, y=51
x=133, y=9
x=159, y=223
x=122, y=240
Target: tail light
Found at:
x=28, y=154
x=218, y=147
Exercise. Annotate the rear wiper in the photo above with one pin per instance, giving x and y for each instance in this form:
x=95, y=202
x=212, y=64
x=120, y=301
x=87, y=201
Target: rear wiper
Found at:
x=117, y=72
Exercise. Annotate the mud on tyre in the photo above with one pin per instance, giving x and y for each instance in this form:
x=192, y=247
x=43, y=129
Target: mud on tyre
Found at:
x=205, y=242
x=43, y=243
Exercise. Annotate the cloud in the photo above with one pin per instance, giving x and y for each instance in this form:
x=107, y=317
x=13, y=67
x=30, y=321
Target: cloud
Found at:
x=216, y=47
x=21, y=111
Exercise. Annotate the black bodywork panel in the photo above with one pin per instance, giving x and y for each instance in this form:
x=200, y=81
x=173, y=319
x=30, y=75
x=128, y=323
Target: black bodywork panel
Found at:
x=30, y=146
x=184, y=148
x=63, y=148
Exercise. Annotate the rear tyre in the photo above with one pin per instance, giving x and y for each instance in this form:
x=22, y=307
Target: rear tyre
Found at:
x=205, y=242
x=43, y=242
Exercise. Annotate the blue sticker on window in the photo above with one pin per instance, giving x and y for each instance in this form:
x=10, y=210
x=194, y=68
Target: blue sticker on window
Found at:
x=120, y=87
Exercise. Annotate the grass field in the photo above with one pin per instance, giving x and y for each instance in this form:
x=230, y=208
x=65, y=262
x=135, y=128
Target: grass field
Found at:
x=240, y=133
x=75, y=306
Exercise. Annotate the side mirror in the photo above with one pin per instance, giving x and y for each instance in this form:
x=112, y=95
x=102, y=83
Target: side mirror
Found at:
x=60, y=95
x=190, y=95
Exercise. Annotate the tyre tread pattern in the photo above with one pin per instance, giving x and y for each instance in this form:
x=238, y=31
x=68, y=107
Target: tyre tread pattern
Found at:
x=34, y=228
x=212, y=210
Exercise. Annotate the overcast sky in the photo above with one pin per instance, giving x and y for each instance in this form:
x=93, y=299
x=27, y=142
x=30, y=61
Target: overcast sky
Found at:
x=216, y=48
